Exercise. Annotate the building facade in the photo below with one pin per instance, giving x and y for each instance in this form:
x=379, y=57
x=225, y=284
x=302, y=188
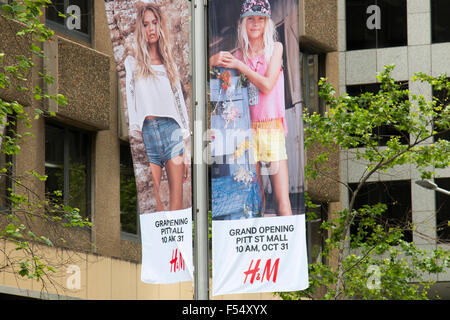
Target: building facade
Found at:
x=84, y=149
x=413, y=35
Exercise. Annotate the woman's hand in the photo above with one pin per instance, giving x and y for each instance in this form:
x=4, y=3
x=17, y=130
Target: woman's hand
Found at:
x=186, y=172
x=187, y=167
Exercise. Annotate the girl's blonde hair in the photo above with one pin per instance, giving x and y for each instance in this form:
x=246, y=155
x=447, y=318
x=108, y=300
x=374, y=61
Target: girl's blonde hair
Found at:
x=269, y=37
x=143, y=68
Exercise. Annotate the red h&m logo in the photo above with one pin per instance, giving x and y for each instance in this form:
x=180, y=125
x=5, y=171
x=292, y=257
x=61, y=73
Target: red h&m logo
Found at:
x=177, y=263
x=268, y=271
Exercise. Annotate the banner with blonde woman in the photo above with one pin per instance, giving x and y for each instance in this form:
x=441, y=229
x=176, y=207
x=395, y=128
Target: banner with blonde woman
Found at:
x=258, y=209
x=151, y=48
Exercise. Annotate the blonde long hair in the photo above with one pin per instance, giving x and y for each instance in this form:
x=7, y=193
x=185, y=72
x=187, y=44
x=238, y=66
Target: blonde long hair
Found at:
x=143, y=68
x=269, y=37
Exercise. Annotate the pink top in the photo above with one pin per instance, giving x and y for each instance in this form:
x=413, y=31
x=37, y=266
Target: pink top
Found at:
x=270, y=105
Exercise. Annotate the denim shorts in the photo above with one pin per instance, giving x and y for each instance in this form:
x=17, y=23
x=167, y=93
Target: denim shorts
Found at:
x=163, y=140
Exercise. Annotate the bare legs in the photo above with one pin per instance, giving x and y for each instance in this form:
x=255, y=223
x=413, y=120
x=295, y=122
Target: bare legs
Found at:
x=175, y=175
x=175, y=172
x=279, y=180
x=156, y=176
x=259, y=177
x=278, y=175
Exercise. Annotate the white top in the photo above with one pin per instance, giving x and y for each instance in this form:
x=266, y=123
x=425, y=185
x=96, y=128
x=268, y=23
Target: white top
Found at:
x=153, y=96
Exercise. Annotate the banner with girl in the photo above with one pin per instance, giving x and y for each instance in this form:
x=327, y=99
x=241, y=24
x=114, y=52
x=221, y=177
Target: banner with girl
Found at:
x=151, y=48
x=256, y=147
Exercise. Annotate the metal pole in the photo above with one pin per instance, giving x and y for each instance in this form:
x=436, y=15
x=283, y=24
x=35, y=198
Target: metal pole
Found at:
x=443, y=191
x=200, y=169
x=430, y=185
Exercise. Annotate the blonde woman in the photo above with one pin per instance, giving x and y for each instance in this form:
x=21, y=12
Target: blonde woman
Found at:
x=259, y=57
x=156, y=106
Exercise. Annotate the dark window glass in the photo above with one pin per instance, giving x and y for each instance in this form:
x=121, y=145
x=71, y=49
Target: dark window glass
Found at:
x=392, y=31
x=396, y=195
x=78, y=165
x=312, y=68
x=53, y=10
x=443, y=210
x=67, y=166
x=315, y=234
x=442, y=97
x=358, y=35
x=54, y=161
x=384, y=132
x=128, y=194
x=440, y=22
x=4, y=182
x=5, y=164
x=59, y=23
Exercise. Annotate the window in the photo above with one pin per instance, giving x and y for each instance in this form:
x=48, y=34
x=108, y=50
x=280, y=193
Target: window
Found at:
x=312, y=68
x=128, y=194
x=440, y=24
x=68, y=166
x=376, y=24
x=4, y=183
x=78, y=20
x=443, y=210
x=442, y=97
x=384, y=132
x=396, y=195
x=5, y=163
x=315, y=234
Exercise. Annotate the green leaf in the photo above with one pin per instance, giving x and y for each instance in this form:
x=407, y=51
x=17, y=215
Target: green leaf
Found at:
x=35, y=48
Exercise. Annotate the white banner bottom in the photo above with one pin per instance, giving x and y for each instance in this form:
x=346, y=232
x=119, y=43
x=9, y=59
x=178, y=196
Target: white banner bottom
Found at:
x=167, y=247
x=259, y=255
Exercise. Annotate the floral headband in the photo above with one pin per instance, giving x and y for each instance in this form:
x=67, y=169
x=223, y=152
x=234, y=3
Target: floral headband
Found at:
x=255, y=8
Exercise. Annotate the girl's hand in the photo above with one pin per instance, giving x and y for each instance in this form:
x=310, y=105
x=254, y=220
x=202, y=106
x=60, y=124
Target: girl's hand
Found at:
x=231, y=62
x=266, y=82
x=220, y=59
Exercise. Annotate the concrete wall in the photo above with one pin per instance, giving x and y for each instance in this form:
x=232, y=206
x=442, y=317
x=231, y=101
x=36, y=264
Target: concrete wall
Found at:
x=318, y=24
x=319, y=33
x=85, y=74
x=360, y=67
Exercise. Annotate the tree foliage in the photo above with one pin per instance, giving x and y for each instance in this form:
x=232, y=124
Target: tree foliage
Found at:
x=375, y=261
x=23, y=206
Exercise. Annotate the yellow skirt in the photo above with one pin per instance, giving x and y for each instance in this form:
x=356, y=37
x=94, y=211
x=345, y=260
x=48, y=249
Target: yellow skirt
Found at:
x=269, y=143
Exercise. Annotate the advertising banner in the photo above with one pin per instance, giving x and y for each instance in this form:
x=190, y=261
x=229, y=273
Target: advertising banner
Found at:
x=257, y=185
x=151, y=47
